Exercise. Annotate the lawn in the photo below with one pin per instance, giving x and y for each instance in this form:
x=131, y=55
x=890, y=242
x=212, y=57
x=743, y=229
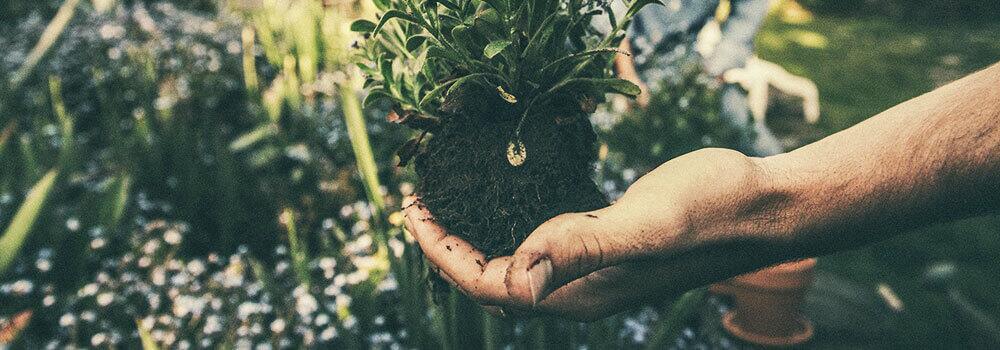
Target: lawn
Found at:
x=864, y=66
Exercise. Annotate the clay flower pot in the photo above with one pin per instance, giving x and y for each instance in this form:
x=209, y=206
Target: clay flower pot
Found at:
x=766, y=308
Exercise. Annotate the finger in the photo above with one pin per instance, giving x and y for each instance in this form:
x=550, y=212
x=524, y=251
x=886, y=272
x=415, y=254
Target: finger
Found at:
x=563, y=249
x=633, y=284
x=467, y=267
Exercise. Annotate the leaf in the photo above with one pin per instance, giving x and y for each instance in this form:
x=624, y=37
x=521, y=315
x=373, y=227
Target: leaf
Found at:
x=375, y=96
x=450, y=5
x=414, y=42
x=499, y=5
x=393, y=14
x=599, y=85
x=409, y=150
x=146, y=339
x=570, y=58
x=461, y=82
x=462, y=35
x=434, y=95
x=253, y=137
x=495, y=47
x=382, y=5
x=363, y=26
x=682, y=310
x=638, y=5
x=438, y=52
x=16, y=233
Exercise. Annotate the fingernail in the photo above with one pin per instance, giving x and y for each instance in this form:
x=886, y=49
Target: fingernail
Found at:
x=538, y=277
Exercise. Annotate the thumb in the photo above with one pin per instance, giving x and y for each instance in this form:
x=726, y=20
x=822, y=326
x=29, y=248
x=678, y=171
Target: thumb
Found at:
x=564, y=249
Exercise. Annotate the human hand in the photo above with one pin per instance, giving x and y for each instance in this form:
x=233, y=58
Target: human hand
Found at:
x=688, y=223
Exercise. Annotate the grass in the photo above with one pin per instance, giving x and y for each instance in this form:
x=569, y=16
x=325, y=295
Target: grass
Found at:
x=862, y=67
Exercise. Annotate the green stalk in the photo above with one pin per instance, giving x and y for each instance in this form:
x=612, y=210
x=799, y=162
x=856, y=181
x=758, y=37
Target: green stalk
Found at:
x=49, y=36
x=300, y=257
x=249, y=63
x=674, y=318
x=358, y=133
x=15, y=234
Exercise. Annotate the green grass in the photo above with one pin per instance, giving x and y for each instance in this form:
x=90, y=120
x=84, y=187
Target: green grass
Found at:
x=862, y=67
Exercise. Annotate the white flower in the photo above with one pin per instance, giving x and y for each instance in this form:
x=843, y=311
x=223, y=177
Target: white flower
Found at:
x=98, y=339
x=67, y=320
x=87, y=290
x=306, y=304
x=278, y=326
x=328, y=334
x=97, y=243
x=104, y=299
x=196, y=267
x=73, y=224
x=322, y=319
x=43, y=265
x=22, y=287
x=172, y=237
x=212, y=324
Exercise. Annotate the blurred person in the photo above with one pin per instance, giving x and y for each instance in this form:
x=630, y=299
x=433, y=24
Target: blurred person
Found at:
x=718, y=33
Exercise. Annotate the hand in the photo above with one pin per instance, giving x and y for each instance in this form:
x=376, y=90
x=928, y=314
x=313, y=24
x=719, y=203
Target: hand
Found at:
x=688, y=223
x=625, y=69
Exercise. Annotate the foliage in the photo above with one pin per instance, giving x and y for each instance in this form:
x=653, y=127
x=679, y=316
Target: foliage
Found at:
x=683, y=116
x=430, y=59
x=210, y=193
x=912, y=10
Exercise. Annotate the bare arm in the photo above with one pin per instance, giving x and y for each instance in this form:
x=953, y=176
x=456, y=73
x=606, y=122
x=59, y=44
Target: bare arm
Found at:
x=930, y=159
x=713, y=214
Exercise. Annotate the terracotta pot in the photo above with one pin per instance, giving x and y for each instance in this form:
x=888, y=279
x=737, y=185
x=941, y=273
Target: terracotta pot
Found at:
x=767, y=303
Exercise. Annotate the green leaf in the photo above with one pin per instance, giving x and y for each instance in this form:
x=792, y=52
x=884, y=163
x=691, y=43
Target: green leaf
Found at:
x=495, y=47
x=499, y=5
x=253, y=137
x=462, y=35
x=382, y=5
x=414, y=42
x=438, y=52
x=16, y=233
x=638, y=5
x=119, y=202
x=374, y=97
x=571, y=58
x=468, y=79
x=363, y=26
x=450, y=5
x=611, y=85
x=682, y=310
x=394, y=14
x=434, y=95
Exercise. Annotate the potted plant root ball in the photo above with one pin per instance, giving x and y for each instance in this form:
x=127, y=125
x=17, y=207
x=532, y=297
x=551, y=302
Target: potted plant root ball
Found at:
x=501, y=92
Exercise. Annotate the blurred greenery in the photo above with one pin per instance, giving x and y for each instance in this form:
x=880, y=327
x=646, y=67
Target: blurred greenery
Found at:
x=863, y=66
x=198, y=172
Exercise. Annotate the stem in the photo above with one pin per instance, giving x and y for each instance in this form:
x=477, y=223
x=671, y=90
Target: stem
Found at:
x=358, y=133
x=49, y=36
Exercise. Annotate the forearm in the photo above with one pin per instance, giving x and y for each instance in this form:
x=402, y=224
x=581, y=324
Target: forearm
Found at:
x=933, y=158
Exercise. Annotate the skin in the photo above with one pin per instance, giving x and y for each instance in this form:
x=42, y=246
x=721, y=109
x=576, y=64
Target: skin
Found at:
x=713, y=214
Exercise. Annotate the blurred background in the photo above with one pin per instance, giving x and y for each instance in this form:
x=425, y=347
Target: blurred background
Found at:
x=201, y=174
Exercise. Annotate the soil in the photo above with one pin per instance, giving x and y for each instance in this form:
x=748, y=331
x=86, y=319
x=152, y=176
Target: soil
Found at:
x=474, y=191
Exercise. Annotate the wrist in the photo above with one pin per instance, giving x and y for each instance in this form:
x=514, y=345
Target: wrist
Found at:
x=756, y=210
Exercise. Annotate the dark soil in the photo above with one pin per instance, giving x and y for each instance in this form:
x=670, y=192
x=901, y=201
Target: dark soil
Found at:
x=476, y=194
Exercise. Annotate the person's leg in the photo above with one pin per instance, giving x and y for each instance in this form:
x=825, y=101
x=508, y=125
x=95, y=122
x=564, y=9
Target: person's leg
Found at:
x=756, y=139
